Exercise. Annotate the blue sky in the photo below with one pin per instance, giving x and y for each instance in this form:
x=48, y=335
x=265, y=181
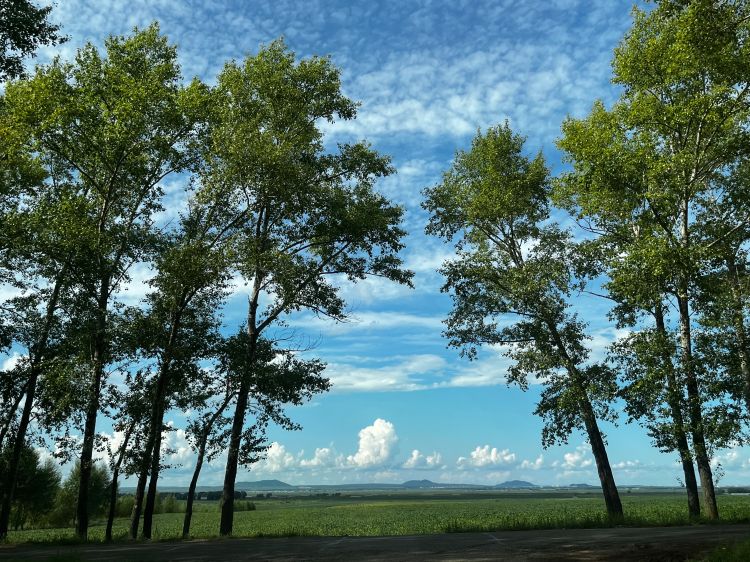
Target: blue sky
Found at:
x=428, y=75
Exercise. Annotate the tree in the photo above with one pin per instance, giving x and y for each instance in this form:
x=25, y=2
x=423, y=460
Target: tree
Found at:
x=513, y=262
x=180, y=328
x=308, y=216
x=23, y=29
x=36, y=487
x=66, y=509
x=660, y=161
x=112, y=128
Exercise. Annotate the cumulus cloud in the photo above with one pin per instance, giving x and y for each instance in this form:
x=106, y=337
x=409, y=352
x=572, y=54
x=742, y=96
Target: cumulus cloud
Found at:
x=419, y=461
x=377, y=445
x=277, y=459
x=533, y=465
x=324, y=457
x=577, y=459
x=487, y=457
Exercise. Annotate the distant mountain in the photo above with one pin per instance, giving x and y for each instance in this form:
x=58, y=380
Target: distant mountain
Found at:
x=582, y=486
x=266, y=485
x=514, y=484
x=420, y=484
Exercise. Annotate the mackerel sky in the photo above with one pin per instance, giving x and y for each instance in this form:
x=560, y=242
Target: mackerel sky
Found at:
x=428, y=75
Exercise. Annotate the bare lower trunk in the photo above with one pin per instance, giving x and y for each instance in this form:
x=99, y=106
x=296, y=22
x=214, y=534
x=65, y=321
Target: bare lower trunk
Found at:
x=191, y=490
x=674, y=395
x=606, y=478
x=92, y=410
x=140, y=490
x=148, y=512
x=199, y=462
x=113, y=484
x=695, y=413
x=227, y=496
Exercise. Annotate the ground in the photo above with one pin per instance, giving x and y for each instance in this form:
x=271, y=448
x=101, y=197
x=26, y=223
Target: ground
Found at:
x=621, y=544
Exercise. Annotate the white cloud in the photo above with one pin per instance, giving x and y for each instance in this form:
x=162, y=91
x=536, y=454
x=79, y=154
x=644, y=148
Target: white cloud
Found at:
x=11, y=361
x=277, y=459
x=533, y=465
x=486, y=457
x=410, y=373
x=377, y=445
x=324, y=457
x=419, y=461
x=577, y=459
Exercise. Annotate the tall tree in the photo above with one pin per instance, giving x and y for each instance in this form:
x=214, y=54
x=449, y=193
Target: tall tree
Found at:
x=23, y=29
x=680, y=123
x=513, y=262
x=310, y=216
x=113, y=127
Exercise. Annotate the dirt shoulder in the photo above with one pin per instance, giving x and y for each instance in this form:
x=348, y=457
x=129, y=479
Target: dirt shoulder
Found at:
x=652, y=543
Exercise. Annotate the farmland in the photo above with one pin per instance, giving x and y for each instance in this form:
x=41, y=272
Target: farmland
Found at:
x=377, y=514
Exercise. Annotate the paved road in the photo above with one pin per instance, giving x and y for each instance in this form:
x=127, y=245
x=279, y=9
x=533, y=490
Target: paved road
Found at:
x=629, y=544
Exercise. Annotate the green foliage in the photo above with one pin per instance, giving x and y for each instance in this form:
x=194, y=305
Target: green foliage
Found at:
x=513, y=263
x=65, y=504
x=23, y=29
x=36, y=487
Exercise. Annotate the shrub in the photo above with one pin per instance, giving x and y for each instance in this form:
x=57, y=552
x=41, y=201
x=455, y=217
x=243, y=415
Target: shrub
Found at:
x=244, y=506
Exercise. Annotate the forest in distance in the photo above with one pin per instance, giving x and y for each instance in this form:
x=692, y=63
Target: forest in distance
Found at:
x=657, y=186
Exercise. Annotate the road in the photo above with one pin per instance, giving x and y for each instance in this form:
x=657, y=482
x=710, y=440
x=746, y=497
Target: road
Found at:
x=628, y=544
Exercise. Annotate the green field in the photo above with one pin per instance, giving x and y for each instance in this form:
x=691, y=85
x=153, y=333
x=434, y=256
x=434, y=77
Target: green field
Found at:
x=407, y=514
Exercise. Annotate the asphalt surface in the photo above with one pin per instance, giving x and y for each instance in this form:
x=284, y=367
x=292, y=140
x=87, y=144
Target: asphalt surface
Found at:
x=621, y=544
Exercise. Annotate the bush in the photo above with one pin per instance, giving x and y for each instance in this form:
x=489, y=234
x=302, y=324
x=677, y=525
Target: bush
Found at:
x=37, y=485
x=124, y=506
x=244, y=506
x=65, y=504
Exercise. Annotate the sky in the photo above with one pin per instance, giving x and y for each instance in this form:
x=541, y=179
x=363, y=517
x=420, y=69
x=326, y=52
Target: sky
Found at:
x=428, y=74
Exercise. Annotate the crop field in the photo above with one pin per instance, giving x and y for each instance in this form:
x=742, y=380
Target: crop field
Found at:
x=381, y=515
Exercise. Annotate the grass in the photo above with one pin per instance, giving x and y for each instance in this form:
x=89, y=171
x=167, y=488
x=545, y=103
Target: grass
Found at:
x=382, y=515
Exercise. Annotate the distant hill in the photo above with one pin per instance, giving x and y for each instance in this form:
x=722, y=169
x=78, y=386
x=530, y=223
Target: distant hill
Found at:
x=266, y=485
x=420, y=484
x=513, y=484
x=582, y=486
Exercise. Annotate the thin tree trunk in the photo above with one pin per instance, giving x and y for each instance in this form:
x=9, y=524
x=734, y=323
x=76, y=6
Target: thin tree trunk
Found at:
x=38, y=353
x=140, y=489
x=598, y=449
x=680, y=435
x=113, y=485
x=738, y=319
x=199, y=465
x=606, y=478
x=694, y=407
x=11, y=414
x=148, y=511
x=92, y=410
x=227, y=496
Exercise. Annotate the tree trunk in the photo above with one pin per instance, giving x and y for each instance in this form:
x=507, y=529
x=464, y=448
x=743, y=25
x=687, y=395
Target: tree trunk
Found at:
x=199, y=464
x=140, y=489
x=606, y=478
x=12, y=414
x=738, y=319
x=92, y=410
x=148, y=511
x=38, y=353
x=675, y=405
x=227, y=496
x=193, y=485
x=113, y=485
x=694, y=407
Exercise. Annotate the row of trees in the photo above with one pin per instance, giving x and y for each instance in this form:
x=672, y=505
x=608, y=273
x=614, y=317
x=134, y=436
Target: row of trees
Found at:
x=660, y=184
x=88, y=148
